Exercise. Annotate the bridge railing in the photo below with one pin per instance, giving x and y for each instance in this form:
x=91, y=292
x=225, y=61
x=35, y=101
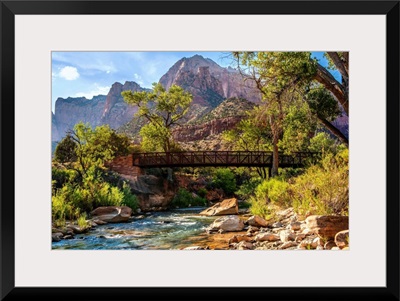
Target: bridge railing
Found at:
x=219, y=158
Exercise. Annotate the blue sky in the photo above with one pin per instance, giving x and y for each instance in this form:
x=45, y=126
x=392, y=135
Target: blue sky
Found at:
x=76, y=74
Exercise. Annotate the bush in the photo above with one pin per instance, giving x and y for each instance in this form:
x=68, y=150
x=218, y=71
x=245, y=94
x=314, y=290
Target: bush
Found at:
x=61, y=176
x=202, y=192
x=224, y=178
x=260, y=208
x=129, y=199
x=184, y=198
x=324, y=189
x=248, y=188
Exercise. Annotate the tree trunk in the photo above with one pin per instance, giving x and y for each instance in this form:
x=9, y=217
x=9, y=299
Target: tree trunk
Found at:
x=330, y=83
x=335, y=131
x=275, y=158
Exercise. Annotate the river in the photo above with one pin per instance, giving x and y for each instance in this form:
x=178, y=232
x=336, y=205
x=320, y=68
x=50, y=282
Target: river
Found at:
x=168, y=230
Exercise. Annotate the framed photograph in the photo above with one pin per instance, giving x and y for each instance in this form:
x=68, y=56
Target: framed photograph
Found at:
x=241, y=108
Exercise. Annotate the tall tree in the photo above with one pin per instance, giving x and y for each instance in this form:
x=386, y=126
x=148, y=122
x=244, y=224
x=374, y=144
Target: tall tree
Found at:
x=301, y=69
x=280, y=77
x=162, y=109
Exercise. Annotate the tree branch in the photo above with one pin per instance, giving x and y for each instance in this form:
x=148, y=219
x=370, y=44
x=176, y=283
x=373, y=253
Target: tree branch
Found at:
x=330, y=83
x=338, y=63
x=334, y=130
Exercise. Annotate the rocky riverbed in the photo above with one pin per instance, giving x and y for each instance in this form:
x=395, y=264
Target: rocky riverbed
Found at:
x=222, y=227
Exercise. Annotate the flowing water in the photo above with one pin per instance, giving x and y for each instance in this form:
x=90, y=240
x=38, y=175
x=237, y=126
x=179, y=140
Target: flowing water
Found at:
x=175, y=229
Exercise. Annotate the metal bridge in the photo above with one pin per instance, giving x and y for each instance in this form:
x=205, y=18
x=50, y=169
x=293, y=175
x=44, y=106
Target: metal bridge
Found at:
x=222, y=158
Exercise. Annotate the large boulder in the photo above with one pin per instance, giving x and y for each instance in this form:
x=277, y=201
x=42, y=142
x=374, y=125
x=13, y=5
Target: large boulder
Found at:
x=226, y=207
x=327, y=225
x=154, y=193
x=112, y=214
x=230, y=223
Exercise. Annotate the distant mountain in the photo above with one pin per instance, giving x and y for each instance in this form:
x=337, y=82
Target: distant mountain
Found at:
x=209, y=83
x=102, y=109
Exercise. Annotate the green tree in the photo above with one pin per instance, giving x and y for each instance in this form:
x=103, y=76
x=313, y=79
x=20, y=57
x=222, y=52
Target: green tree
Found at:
x=163, y=109
x=299, y=68
x=250, y=134
x=85, y=149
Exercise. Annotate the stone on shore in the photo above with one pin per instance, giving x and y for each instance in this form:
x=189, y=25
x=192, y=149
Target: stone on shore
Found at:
x=257, y=221
x=342, y=239
x=112, y=214
x=327, y=226
x=230, y=223
x=226, y=207
x=266, y=237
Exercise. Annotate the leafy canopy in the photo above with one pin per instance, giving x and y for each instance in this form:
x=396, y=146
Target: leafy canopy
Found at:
x=162, y=109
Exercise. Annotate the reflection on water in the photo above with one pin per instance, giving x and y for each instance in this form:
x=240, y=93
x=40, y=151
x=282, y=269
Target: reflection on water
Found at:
x=174, y=229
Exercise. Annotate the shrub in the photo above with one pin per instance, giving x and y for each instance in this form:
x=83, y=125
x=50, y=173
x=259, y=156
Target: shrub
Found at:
x=273, y=190
x=61, y=176
x=260, y=208
x=324, y=188
x=129, y=199
x=202, y=192
x=184, y=198
x=81, y=221
x=224, y=178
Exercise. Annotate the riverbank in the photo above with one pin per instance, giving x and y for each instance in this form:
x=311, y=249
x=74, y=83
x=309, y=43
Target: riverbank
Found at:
x=186, y=229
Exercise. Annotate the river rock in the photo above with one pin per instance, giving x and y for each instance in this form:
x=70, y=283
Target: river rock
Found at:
x=226, y=207
x=342, y=239
x=286, y=216
x=257, y=221
x=266, y=237
x=296, y=226
x=239, y=238
x=76, y=229
x=288, y=244
x=327, y=226
x=112, y=214
x=194, y=248
x=287, y=235
x=329, y=245
x=55, y=237
x=230, y=223
x=244, y=245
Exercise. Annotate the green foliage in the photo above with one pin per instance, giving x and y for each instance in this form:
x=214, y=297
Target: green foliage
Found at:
x=224, y=178
x=66, y=150
x=250, y=134
x=322, y=142
x=248, y=187
x=162, y=109
x=85, y=148
x=260, y=208
x=274, y=191
x=61, y=176
x=298, y=125
x=202, y=192
x=322, y=103
x=324, y=188
x=129, y=199
x=82, y=222
x=184, y=198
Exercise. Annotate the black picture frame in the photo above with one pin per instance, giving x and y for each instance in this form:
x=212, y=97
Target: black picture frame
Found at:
x=11, y=8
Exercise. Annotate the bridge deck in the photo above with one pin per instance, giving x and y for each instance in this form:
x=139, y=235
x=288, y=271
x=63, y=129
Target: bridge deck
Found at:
x=221, y=158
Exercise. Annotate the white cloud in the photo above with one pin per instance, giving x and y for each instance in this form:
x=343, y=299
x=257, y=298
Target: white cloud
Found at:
x=108, y=71
x=68, y=73
x=138, y=79
x=96, y=90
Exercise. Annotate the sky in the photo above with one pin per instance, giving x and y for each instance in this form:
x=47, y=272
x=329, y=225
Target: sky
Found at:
x=88, y=74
